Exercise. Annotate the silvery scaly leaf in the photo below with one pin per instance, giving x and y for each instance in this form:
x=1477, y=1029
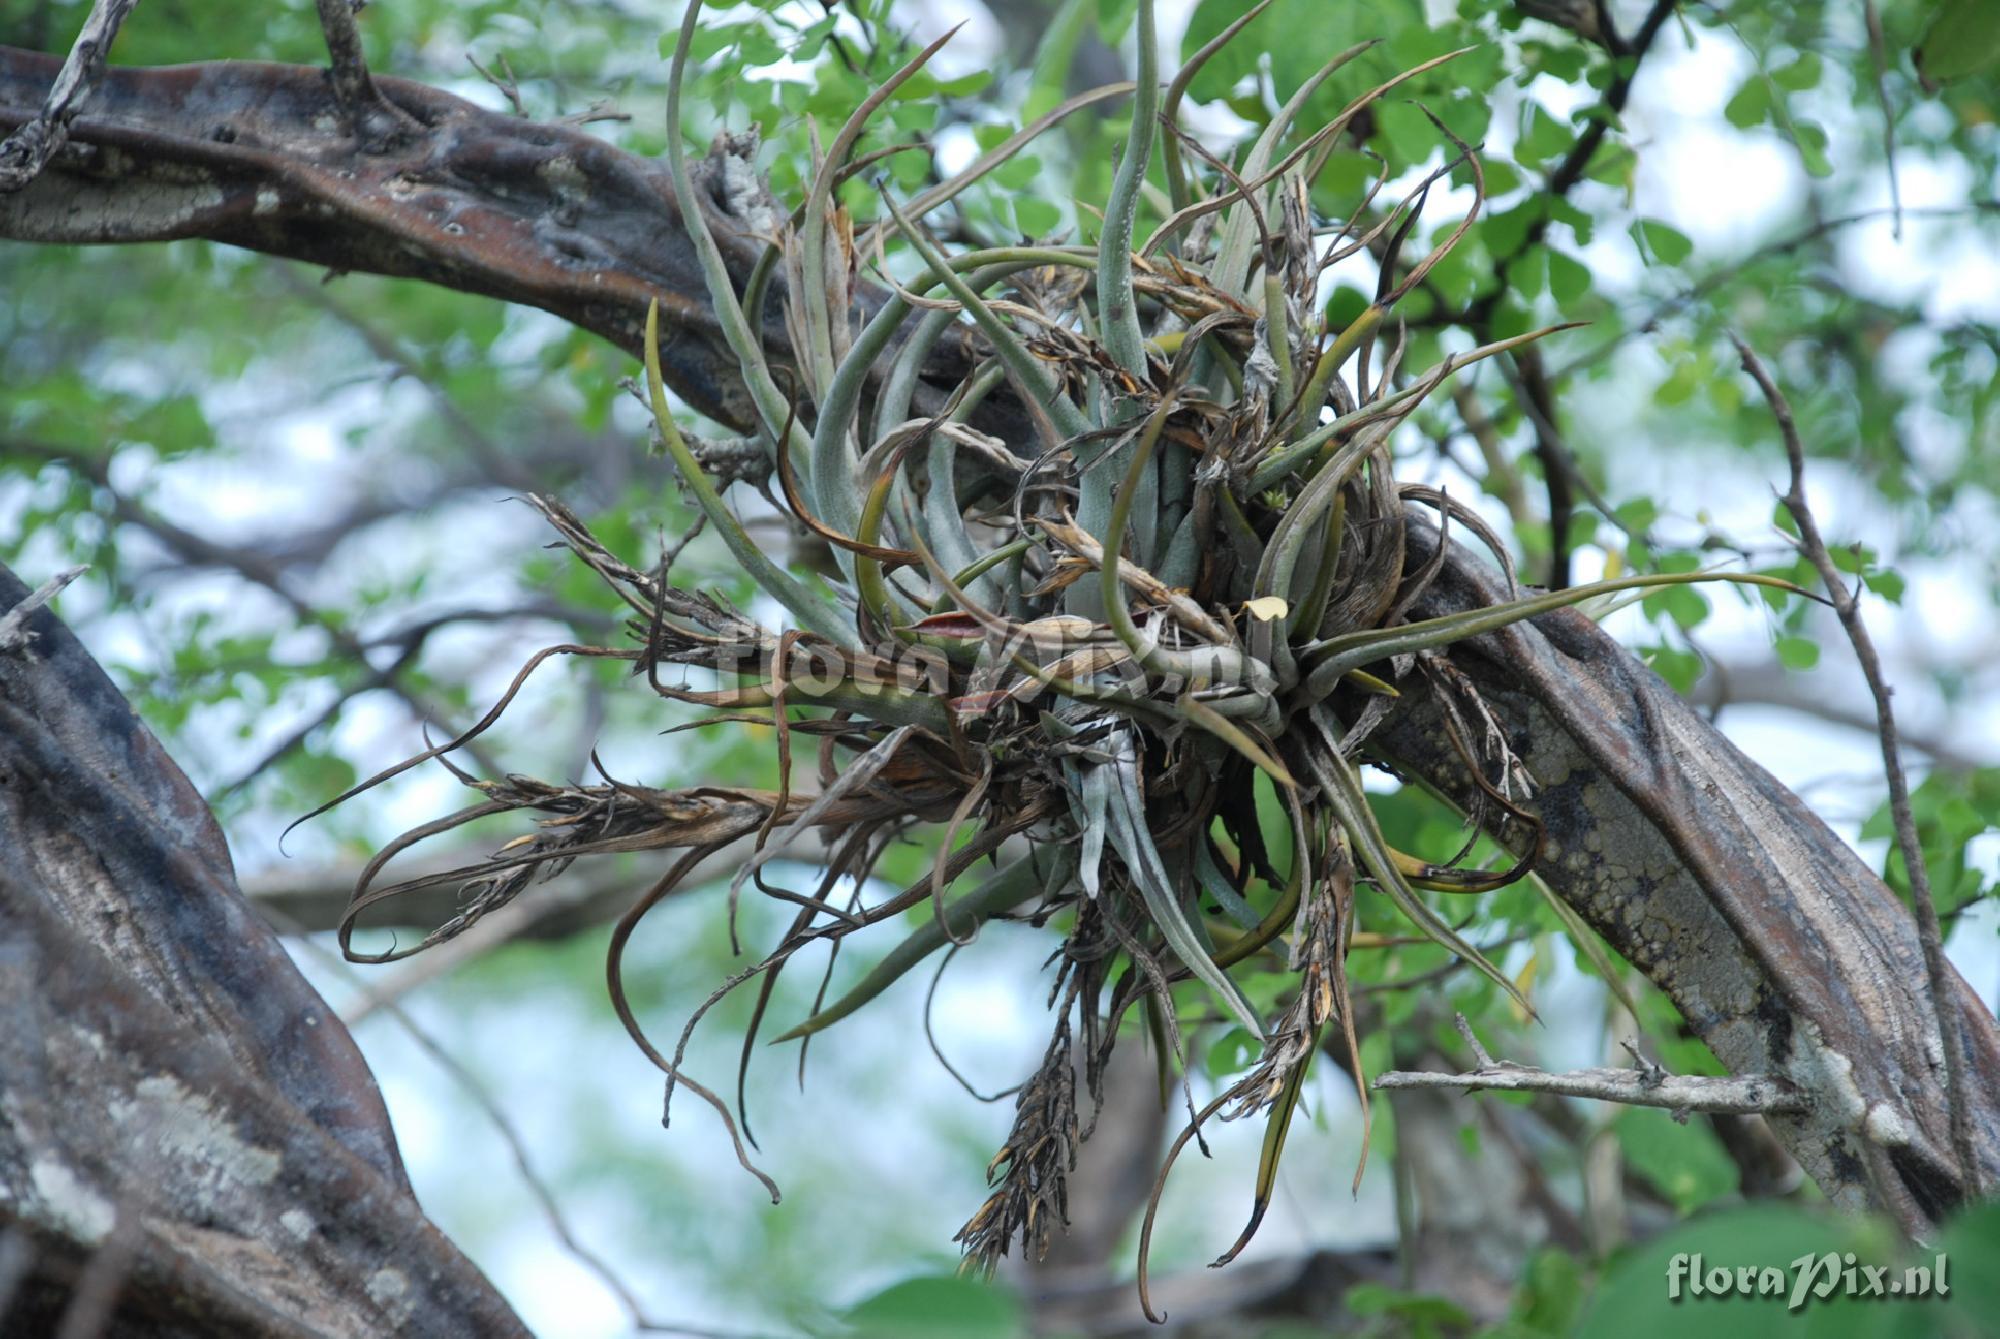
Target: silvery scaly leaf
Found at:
x=1142, y=859
x=1094, y=792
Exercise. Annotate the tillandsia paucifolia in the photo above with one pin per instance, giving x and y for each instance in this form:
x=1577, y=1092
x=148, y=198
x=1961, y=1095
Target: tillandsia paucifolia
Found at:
x=1118, y=608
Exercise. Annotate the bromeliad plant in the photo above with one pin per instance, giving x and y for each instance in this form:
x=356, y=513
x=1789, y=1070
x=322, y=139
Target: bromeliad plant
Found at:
x=1075, y=649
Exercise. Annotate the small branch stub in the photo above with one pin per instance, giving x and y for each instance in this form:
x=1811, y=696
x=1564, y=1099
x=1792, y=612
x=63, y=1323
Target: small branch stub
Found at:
x=27, y=151
x=14, y=634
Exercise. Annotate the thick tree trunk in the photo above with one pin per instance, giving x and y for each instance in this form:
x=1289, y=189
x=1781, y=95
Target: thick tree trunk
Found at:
x=188, y=1137
x=1784, y=952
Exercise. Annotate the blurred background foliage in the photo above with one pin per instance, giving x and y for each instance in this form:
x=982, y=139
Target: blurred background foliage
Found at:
x=293, y=491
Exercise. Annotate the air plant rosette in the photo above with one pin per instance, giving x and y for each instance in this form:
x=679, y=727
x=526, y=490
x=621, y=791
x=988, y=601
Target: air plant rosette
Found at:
x=1148, y=550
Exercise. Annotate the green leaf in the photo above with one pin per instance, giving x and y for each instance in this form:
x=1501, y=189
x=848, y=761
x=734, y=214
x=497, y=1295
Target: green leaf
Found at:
x=1504, y=232
x=1409, y=134
x=1569, y=278
x=1687, y=608
x=1232, y=1053
x=1751, y=104
x=1634, y=1302
x=1668, y=245
x=1797, y=653
x=1801, y=74
x=1420, y=1311
x=1528, y=273
x=1552, y=1293
x=1679, y=386
x=1638, y=515
x=1686, y=1162
x=1501, y=176
x=1542, y=138
x=1811, y=139
x=1971, y=1242
x=1885, y=582
x=1679, y=668
x=1580, y=222
x=965, y=84
x=1114, y=19
x=1036, y=217
x=1345, y=306
x=1963, y=39
x=942, y=1307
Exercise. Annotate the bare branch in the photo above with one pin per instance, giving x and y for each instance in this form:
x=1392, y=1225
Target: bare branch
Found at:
x=1479, y=1051
x=1936, y=969
x=254, y=568
x=27, y=151
x=1719, y=278
x=1777, y=941
x=509, y=86
x=1647, y=1084
x=1735, y=1094
x=252, y=155
x=14, y=633
x=497, y=464
x=1767, y=683
x=1878, y=57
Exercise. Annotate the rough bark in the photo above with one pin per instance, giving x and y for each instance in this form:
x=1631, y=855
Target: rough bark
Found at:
x=1786, y=954
x=544, y=215
x=187, y=1134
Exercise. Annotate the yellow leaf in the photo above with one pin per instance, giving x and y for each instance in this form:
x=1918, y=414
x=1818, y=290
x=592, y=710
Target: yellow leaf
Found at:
x=1267, y=607
x=1524, y=983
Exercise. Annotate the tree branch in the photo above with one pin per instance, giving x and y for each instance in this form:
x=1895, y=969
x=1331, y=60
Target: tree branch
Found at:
x=28, y=149
x=1781, y=948
x=1769, y=684
x=1784, y=952
x=540, y=214
x=371, y=118
x=252, y=567
x=14, y=632
x=1740, y=1095
x=1937, y=970
x=1647, y=1085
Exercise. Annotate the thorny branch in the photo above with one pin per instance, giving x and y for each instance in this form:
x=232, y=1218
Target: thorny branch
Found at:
x=1645, y=1085
x=1936, y=968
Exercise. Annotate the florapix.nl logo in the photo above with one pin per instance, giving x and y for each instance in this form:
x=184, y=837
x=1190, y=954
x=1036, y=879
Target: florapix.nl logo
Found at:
x=1807, y=1279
